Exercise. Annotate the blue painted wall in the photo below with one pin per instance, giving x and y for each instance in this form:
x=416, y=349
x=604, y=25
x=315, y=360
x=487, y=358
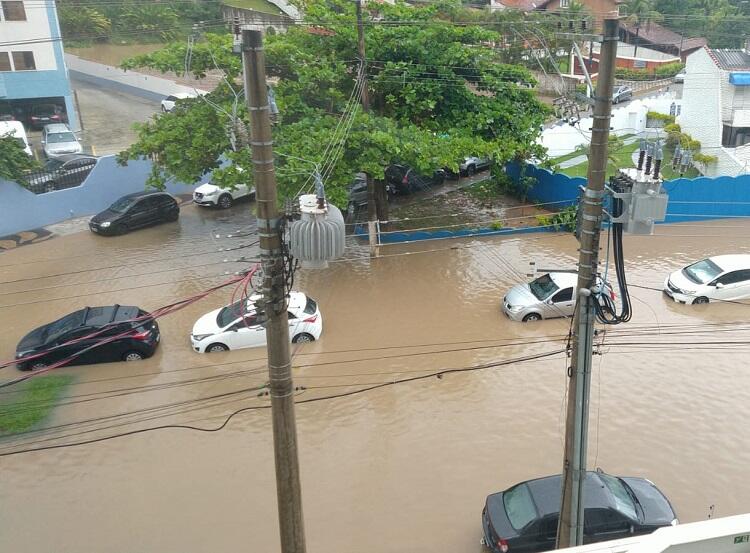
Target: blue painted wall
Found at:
x=703, y=198
x=23, y=210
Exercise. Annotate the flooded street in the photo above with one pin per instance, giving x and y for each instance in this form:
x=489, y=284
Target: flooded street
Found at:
x=400, y=468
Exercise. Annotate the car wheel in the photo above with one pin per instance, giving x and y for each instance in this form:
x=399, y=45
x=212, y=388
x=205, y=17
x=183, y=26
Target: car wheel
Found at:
x=470, y=170
x=132, y=356
x=174, y=216
x=531, y=317
x=225, y=201
x=119, y=229
x=216, y=348
x=303, y=338
x=700, y=301
x=163, y=109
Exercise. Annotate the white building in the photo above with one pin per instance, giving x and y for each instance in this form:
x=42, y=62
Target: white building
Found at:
x=32, y=66
x=716, y=108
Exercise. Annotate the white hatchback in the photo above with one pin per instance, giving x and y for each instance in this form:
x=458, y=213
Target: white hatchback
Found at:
x=718, y=278
x=168, y=103
x=214, y=196
x=229, y=328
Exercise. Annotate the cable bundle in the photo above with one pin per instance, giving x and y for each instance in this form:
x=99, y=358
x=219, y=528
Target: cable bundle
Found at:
x=606, y=310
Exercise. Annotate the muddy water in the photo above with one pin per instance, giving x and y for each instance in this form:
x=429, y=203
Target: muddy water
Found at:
x=401, y=468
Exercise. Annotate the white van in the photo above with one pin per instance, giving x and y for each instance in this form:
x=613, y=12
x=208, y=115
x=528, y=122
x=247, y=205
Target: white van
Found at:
x=15, y=129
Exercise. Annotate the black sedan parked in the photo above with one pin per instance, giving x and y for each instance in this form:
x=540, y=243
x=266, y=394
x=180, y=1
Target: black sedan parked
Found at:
x=137, y=210
x=70, y=336
x=405, y=180
x=524, y=517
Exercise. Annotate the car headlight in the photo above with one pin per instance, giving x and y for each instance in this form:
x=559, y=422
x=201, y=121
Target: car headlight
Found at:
x=515, y=308
x=105, y=224
x=199, y=337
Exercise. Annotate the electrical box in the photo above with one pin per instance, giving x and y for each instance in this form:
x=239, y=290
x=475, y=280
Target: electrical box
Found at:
x=643, y=201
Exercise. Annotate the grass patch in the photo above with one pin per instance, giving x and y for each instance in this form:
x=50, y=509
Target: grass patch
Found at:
x=257, y=5
x=621, y=159
x=30, y=402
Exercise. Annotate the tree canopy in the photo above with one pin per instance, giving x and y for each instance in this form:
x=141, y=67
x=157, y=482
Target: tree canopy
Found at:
x=439, y=91
x=14, y=162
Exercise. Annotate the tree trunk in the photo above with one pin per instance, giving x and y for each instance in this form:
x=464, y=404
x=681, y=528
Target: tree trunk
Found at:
x=637, y=32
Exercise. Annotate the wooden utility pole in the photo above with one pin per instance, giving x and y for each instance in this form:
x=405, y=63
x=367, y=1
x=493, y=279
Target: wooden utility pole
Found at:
x=362, y=58
x=288, y=490
x=570, y=525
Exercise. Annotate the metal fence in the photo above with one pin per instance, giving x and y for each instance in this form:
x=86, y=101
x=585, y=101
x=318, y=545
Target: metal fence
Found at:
x=49, y=180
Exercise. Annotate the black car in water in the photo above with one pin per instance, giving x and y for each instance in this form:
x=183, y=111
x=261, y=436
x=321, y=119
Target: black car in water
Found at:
x=137, y=210
x=406, y=180
x=71, y=335
x=524, y=518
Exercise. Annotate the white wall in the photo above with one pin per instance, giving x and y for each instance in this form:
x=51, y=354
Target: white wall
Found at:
x=36, y=26
x=630, y=119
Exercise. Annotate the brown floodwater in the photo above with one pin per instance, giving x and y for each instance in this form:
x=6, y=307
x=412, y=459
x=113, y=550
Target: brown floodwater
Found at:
x=402, y=468
x=113, y=54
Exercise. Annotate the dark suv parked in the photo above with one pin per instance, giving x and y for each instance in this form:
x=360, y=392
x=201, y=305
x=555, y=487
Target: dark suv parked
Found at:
x=71, y=336
x=406, y=180
x=524, y=517
x=141, y=209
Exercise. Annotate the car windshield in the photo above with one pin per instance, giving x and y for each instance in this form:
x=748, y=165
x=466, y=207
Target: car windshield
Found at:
x=231, y=313
x=519, y=506
x=58, y=137
x=44, y=110
x=623, y=502
x=543, y=287
x=64, y=325
x=122, y=205
x=52, y=164
x=703, y=271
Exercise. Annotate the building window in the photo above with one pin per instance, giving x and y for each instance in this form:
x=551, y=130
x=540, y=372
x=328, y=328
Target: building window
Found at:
x=4, y=61
x=733, y=137
x=13, y=11
x=23, y=61
x=564, y=3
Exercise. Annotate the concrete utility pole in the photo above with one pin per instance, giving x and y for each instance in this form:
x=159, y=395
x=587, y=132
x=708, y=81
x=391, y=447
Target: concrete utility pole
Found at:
x=570, y=525
x=372, y=209
x=288, y=490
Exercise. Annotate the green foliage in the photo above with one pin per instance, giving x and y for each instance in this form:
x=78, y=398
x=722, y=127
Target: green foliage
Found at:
x=84, y=21
x=14, y=161
x=662, y=72
x=564, y=219
x=437, y=93
x=31, y=403
x=704, y=159
x=723, y=22
x=149, y=21
x=669, y=119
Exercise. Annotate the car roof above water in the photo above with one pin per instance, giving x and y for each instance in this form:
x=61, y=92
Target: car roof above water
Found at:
x=732, y=262
x=564, y=279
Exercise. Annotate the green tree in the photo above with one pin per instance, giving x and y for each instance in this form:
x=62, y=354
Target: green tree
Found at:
x=84, y=21
x=641, y=12
x=14, y=161
x=437, y=90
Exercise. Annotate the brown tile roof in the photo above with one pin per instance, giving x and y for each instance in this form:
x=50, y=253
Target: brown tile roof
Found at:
x=658, y=35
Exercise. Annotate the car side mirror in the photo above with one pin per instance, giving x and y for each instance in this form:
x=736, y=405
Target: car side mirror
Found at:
x=549, y=301
x=719, y=285
x=233, y=329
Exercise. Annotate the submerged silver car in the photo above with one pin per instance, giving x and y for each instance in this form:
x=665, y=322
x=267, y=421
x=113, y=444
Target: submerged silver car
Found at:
x=549, y=296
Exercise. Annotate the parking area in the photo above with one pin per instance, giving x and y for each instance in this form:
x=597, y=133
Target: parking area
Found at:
x=667, y=382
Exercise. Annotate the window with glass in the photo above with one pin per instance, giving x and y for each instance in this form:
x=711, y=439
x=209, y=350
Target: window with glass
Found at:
x=703, y=271
x=4, y=61
x=733, y=137
x=13, y=10
x=24, y=61
x=519, y=506
x=623, y=502
x=543, y=287
x=563, y=296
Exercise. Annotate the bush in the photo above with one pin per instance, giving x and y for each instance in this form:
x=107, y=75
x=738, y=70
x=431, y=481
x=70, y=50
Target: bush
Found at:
x=562, y=220
x=84, y=22
x=662, y=72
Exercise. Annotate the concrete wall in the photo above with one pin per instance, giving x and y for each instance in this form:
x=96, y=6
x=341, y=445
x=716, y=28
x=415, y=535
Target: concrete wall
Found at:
x=23, y=210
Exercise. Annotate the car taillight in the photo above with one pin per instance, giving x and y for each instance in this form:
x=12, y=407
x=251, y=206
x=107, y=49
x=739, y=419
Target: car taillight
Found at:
x=54, y=117
x=310, y=319
x=142, y=335
x=502, y=545
x=405, y=180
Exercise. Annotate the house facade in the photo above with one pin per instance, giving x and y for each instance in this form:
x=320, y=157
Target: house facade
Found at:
x=599, y=9
x=716, y=107
x=32, y=65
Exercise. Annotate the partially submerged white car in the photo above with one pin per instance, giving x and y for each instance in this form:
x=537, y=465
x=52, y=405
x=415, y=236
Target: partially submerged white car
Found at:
x=231, y=327
x=718, y=278
x=211, y=195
